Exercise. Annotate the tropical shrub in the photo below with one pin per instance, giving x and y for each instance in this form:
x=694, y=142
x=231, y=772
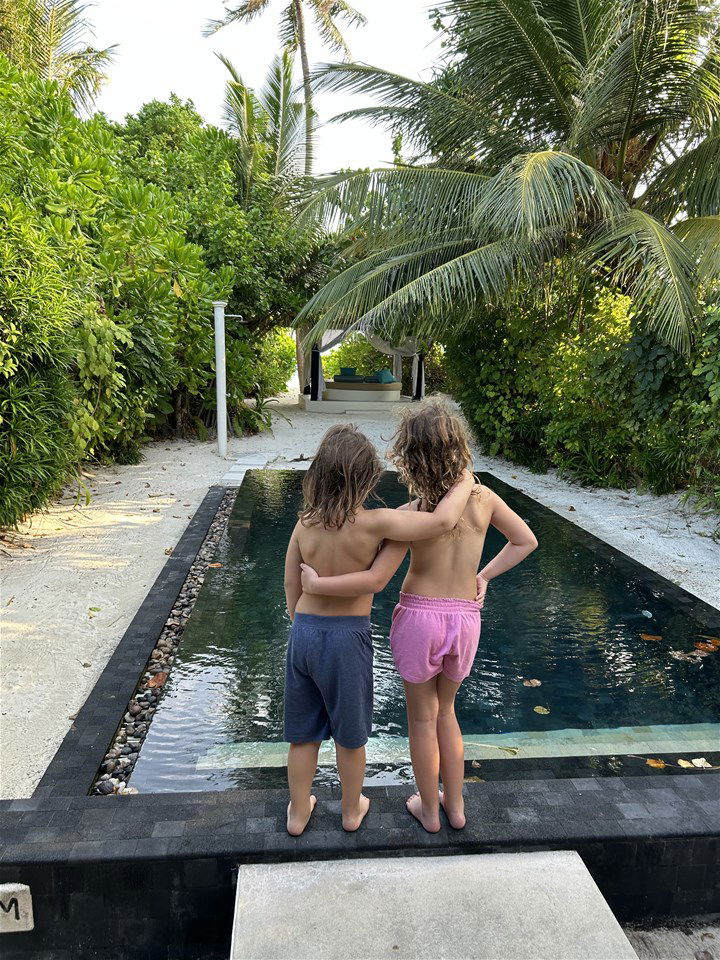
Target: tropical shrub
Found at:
x=607, y=404
x=38, y=309
x=105, y=290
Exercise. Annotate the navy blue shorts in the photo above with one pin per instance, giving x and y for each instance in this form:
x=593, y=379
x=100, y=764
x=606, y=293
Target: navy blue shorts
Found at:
x=329, y=680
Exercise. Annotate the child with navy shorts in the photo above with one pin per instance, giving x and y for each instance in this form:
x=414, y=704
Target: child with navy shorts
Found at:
x=329, y=677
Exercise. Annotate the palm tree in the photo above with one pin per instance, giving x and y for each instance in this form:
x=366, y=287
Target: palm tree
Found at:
x=586, y=130
x=326, y=14
x=48, y=38
x=267, y=124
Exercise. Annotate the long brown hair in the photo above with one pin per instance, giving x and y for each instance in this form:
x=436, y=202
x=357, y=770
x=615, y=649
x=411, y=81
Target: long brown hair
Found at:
x=430, y=450
x=344, y=473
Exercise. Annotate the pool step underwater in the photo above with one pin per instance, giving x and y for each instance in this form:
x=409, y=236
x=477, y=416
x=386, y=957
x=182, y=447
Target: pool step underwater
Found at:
x=517, y=906
x=697, y=738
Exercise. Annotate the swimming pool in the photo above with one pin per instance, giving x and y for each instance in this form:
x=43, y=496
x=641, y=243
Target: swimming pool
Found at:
x=595, y=628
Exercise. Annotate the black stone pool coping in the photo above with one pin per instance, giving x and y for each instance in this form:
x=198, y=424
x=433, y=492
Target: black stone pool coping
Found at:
x=651, y=843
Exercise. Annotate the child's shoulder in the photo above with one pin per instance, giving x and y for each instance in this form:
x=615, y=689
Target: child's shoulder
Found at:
x=483, y=495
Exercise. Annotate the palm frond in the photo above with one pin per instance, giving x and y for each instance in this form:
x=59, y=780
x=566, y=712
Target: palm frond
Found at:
x=549, y=190
x=387, y=203
x=655, y=69
x=579, y=24
x=428, y=298
x=288, y=28
x=512, y=56
x=244, y=11
x=701, y=235
x=285, y=112
x=691, y=183
x=652, y=265
x=49, y=37
x=429, y=117
x=327, y=14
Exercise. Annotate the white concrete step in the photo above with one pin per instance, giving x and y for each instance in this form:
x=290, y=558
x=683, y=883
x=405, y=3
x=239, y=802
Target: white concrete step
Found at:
x=515, y=906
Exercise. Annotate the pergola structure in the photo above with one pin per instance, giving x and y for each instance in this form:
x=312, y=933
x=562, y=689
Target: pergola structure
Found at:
x=409, y=348
x=313, y=400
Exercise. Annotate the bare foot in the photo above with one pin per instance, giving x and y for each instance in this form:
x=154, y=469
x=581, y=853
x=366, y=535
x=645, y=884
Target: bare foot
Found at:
x=414, y=805
x=351, y=821
x=456, y=815
x=295, y=824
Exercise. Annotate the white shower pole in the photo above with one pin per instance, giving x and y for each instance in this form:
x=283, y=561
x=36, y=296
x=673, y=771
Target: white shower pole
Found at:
x=220, y=386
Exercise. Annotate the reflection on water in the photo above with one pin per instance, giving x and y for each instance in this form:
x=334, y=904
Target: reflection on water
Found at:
x=566, y=616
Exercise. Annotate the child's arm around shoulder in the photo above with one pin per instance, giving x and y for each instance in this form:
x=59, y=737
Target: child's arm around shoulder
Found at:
x=372, y=580
x=293, y=585
x=409, y=525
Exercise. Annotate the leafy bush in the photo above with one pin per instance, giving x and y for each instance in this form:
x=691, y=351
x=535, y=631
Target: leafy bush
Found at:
x=357, y=351
x=605, y=405
x=105, y=289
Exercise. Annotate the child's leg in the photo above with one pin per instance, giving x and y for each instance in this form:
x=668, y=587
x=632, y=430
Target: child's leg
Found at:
x=302, y=764
x=351, y=768
x=452, y=752
x=422, y=712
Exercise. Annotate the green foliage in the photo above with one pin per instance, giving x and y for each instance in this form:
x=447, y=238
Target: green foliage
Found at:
x=601, y=401
x=582, y=131
x=273, y=266
x=106, y=281
x=357, y=351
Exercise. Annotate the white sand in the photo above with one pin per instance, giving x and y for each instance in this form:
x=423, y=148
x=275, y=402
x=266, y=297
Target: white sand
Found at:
x=106, y=555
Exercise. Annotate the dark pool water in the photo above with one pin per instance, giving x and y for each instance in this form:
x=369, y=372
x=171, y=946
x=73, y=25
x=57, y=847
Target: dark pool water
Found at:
x=572, y=616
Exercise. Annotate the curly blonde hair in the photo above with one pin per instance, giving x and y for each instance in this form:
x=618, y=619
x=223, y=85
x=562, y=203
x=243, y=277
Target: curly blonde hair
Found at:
x=430, y=450
x=344, y=472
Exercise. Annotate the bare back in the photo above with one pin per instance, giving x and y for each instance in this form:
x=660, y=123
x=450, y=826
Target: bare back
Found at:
x=446, y=566
x=349, y=549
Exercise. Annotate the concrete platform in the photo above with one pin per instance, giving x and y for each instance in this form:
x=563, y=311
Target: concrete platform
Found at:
x=517, y=906
x=351, y=406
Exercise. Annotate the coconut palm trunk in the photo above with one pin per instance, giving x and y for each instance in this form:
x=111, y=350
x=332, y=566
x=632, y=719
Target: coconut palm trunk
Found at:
x=307, y=87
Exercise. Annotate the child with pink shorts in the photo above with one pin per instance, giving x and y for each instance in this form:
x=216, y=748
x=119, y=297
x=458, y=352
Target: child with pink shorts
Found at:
x=436, y=623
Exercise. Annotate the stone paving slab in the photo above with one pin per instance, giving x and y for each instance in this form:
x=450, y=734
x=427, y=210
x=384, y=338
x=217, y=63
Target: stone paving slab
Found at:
x=520, y=906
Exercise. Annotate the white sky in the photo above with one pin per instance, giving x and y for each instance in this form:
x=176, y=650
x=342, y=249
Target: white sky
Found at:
x=161, y=50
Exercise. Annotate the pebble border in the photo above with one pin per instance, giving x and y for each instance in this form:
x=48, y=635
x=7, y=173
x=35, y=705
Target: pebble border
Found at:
x=117, y=765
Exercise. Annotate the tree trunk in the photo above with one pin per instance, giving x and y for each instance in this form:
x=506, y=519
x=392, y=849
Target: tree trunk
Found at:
x=307, y=88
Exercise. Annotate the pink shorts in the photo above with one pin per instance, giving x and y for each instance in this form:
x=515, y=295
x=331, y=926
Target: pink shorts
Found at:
x=432, y=635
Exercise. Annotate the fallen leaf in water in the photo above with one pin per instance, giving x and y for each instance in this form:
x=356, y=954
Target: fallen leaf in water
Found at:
x=689, y=657
x=214, y=565
x=684, y=763
x=532, y=683
x=474, y=780
x=542, y=710
x=476, y=763
x=715, y=640
x=702, y=763
x=157, y=680
x=657, y=764
x=650, y=636
x=707, y=647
